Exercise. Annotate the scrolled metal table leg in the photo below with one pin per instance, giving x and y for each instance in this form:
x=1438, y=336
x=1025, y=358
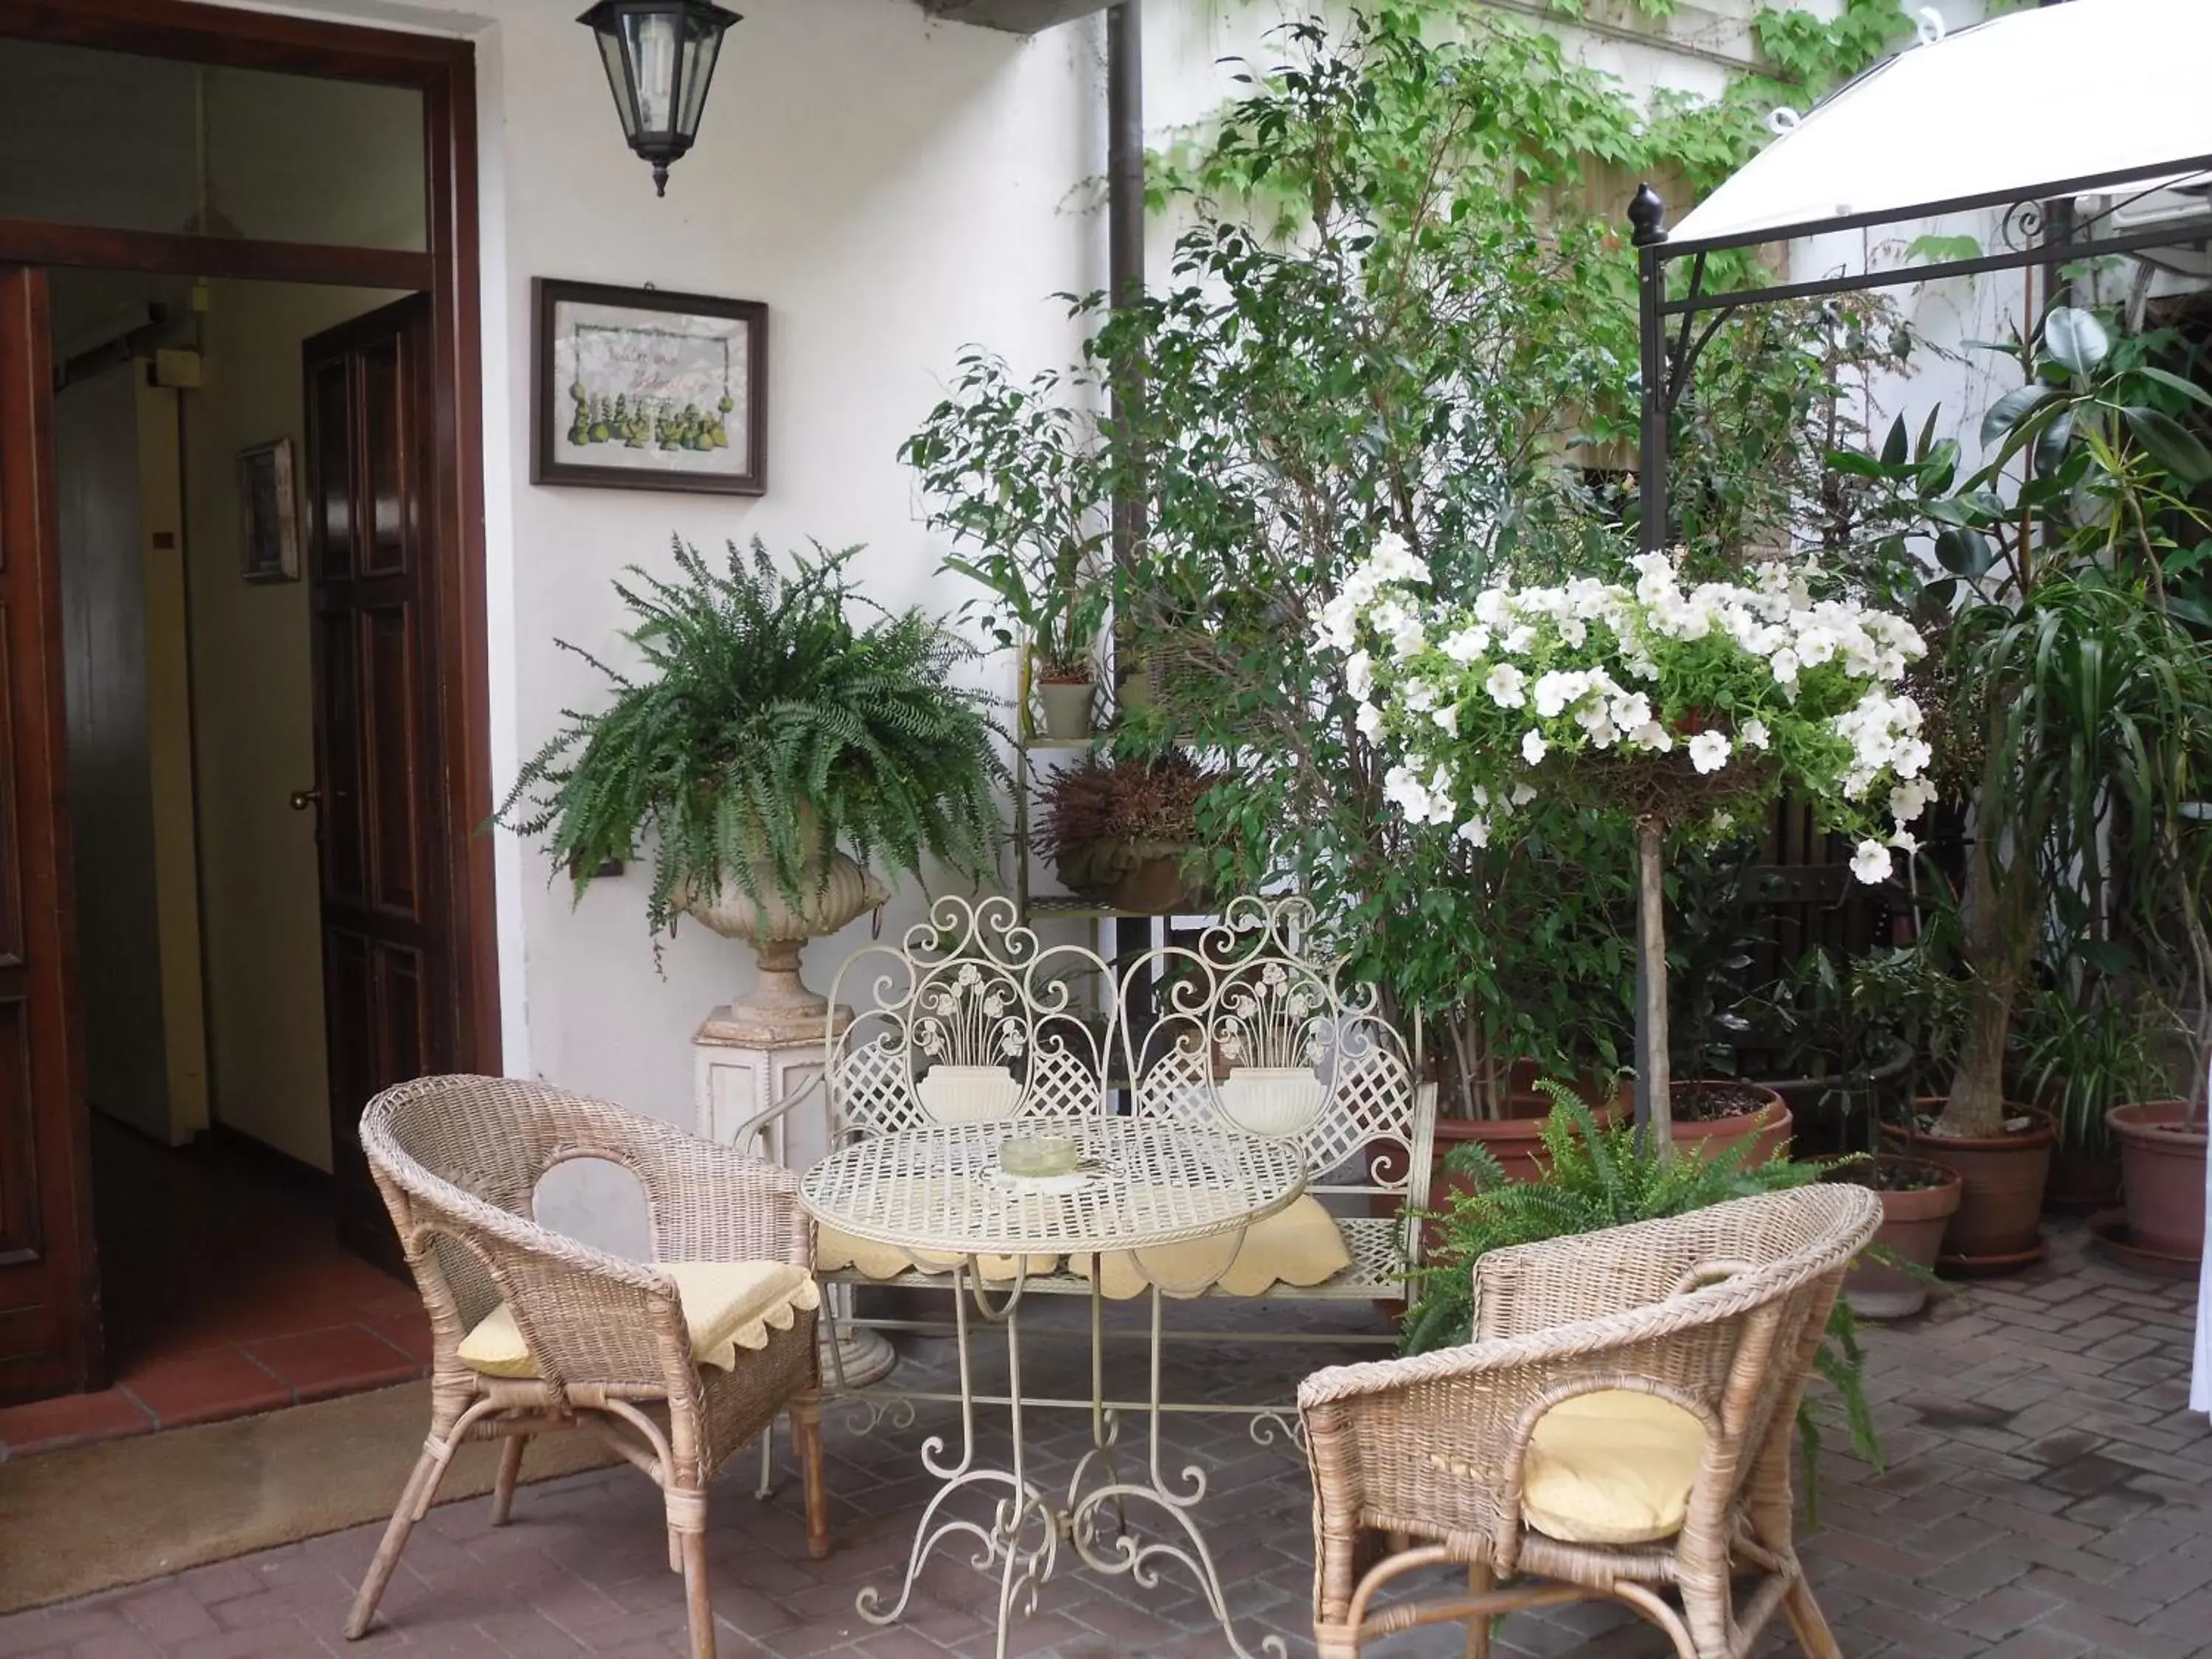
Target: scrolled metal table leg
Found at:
x=1138, y=1558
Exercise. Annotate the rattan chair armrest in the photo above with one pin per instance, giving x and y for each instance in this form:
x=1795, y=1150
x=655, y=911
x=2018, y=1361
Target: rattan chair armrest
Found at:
x=713, y=1203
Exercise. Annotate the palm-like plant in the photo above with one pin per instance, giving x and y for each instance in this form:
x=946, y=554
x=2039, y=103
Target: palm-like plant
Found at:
x=2079, y=672
x=768, y=729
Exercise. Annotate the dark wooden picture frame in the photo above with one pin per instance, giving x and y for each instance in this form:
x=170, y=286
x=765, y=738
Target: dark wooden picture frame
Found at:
x=268, y=513
x=685, y=446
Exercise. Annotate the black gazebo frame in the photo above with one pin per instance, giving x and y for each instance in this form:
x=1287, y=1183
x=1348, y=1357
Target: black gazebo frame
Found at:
x=2039, y=226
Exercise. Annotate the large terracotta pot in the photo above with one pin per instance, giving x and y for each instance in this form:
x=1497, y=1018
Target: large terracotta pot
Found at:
x=1999, y=1223
x=1913, y=1222
x=1768, y=1127
x=1516, y=1139
x=2082, y=1182
x=2162, y=1173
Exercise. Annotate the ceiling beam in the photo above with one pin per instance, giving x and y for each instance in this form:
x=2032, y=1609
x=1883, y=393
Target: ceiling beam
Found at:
x=1014, y=17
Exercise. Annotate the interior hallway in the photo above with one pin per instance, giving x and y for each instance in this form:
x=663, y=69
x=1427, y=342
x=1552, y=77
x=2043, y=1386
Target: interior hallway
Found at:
x=227, y=1293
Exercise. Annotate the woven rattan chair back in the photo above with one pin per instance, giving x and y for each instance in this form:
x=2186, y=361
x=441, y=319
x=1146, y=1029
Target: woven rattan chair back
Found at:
x=459, y=1160
x=1720, y=1312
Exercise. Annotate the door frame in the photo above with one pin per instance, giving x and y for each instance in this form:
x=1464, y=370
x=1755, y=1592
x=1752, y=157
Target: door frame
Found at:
x=443, y=69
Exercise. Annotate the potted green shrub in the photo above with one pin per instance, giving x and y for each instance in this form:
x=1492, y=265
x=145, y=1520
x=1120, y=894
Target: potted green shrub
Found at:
x=1021, y=483
x=1657, y=705
x=1123, y=831
x=787, y=739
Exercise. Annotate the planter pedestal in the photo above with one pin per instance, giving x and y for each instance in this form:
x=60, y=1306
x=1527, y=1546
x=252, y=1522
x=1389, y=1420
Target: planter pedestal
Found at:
x=737, y=1072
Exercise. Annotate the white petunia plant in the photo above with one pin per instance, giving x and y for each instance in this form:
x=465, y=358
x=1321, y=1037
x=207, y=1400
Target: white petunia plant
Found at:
x=1673, y=706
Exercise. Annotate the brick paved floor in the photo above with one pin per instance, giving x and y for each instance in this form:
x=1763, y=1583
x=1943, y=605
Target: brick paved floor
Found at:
x=2047, y=1495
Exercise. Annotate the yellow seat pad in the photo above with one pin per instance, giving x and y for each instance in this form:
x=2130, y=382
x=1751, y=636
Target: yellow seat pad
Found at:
x=1297, y=1245
x=1614, y=1467
x=835, y=1250
x=727, y=1305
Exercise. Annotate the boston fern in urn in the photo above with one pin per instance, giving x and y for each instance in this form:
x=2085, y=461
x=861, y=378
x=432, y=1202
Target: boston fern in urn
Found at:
x=786, y=735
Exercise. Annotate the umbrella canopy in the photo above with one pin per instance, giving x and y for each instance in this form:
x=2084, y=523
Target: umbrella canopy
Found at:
x=2067, y=92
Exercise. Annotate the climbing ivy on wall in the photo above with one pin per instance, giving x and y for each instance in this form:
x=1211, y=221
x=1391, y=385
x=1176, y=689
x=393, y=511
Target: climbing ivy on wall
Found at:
x=1563, y=113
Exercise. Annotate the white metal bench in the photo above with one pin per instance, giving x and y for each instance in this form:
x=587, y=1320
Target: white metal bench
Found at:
x=970, y=1017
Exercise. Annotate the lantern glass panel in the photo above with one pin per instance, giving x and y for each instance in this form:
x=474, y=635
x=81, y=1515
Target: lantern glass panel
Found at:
x=652, y=40
x=618, y=81
x=705, y=44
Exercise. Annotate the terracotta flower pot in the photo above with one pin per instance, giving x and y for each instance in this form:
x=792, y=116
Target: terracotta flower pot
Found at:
x=2082, y=1182
x=1913, y=1222
x=1999, y=1223
x=2162, y=1175
x=1516, y=1140
x=1769, y=1126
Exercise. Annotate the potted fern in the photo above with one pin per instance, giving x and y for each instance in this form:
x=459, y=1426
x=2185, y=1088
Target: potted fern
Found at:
x=789, y=740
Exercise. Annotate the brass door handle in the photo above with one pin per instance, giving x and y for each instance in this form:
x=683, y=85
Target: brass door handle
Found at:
x=303, y=799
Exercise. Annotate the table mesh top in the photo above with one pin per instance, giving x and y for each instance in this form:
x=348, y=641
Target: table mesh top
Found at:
x=1144, y=1185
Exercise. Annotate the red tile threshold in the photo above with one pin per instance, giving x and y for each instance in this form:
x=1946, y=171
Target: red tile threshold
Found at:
x=210, y=1386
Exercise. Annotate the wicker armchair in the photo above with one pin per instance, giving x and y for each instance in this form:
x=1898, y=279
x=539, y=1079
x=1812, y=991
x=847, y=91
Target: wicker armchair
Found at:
x=608, y=1345
x=1718, y=1313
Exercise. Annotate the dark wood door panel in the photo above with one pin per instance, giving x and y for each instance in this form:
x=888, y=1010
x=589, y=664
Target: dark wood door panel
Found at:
x=392, y=965
x=50, y=1334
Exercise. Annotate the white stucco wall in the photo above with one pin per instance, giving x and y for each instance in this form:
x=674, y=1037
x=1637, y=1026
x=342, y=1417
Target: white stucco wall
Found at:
x=895, y=189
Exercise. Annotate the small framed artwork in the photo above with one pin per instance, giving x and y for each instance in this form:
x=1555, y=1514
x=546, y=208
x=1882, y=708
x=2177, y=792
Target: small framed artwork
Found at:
x=268, y=513
x=635, y=389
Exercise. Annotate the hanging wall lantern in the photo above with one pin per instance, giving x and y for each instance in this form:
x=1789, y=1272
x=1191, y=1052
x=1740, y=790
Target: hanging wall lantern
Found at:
x=660, y=56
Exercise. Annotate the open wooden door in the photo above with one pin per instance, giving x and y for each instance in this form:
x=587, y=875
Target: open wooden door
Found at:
x=390, y=961
x=50, y=1330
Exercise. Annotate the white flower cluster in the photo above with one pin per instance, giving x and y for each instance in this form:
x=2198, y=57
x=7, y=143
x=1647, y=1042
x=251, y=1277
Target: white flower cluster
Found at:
x=1502, y=683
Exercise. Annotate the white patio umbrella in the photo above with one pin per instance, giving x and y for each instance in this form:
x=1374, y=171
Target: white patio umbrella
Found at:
x=2059, y=94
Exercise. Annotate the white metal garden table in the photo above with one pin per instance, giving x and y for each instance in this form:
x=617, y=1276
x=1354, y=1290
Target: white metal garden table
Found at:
x=1142, y=1186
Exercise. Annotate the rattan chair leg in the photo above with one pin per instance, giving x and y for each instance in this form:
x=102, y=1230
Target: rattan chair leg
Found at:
x=1481, y=1581
x=415, y=1496
x=806, y=1441
x=1809, y=1624
x=698, y=1595
x=510, y=1471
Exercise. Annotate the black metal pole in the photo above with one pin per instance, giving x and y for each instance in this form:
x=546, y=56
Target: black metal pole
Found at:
x=1124, y=151
x=1125, y=286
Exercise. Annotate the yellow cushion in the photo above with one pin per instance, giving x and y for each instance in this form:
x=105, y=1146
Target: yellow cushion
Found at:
x=1297, y=1245
x=727, y=1305
x=835, y=1251
x=1614, y=1467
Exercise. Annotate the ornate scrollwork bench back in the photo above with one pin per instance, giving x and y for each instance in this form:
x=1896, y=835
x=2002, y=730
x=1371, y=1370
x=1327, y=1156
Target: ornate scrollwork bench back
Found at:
x=1250, y=1033
x=969, y=1017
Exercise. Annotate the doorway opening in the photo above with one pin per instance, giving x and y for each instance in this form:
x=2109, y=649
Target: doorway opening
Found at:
x=241, y=583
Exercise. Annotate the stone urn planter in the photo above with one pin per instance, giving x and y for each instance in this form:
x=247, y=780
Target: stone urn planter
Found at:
x=832, y=891
x=1998, y=1226
x=2162, y=1176
x=1918, y=1200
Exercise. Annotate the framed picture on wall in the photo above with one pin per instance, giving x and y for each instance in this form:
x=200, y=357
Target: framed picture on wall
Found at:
x=635, y=389
x=268, y=513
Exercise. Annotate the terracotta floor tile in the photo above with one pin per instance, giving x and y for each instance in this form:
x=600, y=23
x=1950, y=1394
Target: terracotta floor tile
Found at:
x=46, y=1424
x=205, y=1388
x=410, y=1330
x=319, y=1363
